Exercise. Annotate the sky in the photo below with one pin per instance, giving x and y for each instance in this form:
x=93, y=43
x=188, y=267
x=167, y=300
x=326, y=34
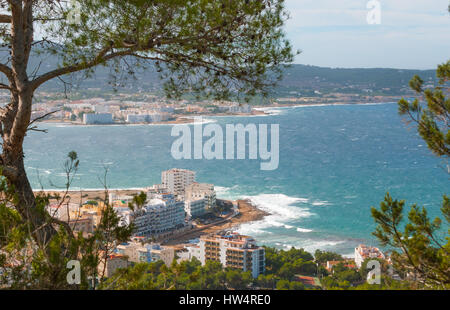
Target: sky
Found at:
x=412, y=34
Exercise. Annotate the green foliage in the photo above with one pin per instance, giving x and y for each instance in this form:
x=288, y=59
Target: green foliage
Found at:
x=204, y=47
x=188, y=275
x=342, y=278
x=138, y=201
x=286, y=264
x=418, y=251
x=25, y=264
x=322, y=257
x=432, y=118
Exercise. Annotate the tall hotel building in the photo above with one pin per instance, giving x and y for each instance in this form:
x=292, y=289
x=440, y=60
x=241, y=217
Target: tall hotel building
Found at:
x=176, y=180
x=160, y=215
x=233, y=250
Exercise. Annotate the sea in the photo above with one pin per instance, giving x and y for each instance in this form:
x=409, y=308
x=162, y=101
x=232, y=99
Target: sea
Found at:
x=335, y=163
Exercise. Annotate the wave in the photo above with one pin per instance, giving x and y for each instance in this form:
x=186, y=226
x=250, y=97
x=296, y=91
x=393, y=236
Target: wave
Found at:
x=334, y=104
x=227, y=192
x=321, y=203
x=280, y=205
x=270, y=111
x=304, y=230
x=310, y=245
x=282, y=209
x=194, y=122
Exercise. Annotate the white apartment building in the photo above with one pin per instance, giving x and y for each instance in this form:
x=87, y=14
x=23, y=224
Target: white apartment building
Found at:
x=147, y=118
x=233, y=250
x=235, y=108
x=189, y=252
x=164, y=253
x=161, y=214
x=137, y=118
x=146, y=253
x=205, y=191
x=97, y=118
x=176, y=180
x=362, y=252
x=136, y=252
x=195, y=208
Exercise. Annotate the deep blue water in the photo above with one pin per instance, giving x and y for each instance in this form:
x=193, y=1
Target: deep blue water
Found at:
x=335, y=163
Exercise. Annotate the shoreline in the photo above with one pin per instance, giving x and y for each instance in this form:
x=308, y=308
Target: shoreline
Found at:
x=248, y=212
x=187, y=119
x=258, y=110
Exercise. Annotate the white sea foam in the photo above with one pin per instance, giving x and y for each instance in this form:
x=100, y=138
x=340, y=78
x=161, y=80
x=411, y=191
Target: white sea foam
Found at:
x=312, y=246
x=280, y=205
x=335, y=104
x=271, y=110
x=227, y=192
x=282, y=208
x=321, y=203
x=303, y=230
x=350, y=197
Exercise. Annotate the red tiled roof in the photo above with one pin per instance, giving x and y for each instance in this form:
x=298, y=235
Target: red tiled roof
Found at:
x=306, y=280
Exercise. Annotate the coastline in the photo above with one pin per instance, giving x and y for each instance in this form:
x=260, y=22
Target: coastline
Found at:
x=187, y=119
x=248, y=212
x=258, y=110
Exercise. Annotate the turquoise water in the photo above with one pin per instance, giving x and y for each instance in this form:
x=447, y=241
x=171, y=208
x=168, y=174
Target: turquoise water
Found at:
x=335, y=163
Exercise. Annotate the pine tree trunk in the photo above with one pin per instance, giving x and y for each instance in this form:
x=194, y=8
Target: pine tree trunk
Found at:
x=15, y=126
x=15, y=120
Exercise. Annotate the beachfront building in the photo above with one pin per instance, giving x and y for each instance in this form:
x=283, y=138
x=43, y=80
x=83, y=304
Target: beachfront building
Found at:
x=119, y=200
x=61, y=212
x=233, y=250
x=97, y=118
x=160, y=215
x=124, y=213
x=188, y=253
x=113, y=262
x=195, y=208
x=135, y=252
x=164, y=253
x=235, y=108
x=362, y=252
x=156, y=189
x=145, y=253
x=176, y=180
x=204, y=191
x=147, y=118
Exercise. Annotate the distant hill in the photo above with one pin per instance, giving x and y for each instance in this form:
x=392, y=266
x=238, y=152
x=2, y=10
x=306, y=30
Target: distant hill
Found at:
x=299, y=80
x=303, y=78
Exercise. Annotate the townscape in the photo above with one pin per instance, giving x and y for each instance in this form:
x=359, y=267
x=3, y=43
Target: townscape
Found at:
x=179, y=220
